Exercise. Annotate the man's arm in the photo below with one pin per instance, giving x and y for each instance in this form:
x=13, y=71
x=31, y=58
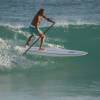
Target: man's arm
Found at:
x=48, y=19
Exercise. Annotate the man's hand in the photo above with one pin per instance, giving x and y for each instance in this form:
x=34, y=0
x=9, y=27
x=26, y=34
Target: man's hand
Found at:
x=48, y=19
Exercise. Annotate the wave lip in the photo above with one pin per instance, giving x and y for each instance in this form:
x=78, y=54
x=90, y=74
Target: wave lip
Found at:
x=67, y=23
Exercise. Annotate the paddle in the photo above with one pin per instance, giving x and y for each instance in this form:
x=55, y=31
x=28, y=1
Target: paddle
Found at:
x=37, y=39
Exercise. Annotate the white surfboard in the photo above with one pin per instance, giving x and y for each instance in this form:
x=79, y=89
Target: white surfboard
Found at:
x=52, y=51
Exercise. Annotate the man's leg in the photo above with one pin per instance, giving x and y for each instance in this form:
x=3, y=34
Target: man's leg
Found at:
x=42, y=40
x=30, y=40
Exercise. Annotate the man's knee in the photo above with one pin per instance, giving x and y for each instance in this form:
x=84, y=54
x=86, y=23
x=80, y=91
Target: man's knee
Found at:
x=42, y=35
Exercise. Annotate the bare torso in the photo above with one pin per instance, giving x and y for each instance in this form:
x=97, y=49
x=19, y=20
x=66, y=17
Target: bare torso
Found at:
x=37, y=20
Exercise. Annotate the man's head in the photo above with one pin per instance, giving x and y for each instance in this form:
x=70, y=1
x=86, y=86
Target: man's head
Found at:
x=41, y=11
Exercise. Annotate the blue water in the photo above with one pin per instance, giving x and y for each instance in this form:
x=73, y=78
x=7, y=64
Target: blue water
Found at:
x=33, y=77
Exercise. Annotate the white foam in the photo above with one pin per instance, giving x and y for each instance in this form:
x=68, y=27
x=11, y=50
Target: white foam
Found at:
x=4, y=44
x=66, y=23
x=11, y=25
x=54, y=45
x=5, y=60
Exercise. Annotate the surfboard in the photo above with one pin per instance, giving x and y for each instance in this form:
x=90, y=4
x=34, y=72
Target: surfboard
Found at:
x=52, y=51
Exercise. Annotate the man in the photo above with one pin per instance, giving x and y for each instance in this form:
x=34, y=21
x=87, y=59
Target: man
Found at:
x=35, y=27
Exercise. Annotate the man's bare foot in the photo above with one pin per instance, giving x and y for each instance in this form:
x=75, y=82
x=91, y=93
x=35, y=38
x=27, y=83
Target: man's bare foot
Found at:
x=42, y=48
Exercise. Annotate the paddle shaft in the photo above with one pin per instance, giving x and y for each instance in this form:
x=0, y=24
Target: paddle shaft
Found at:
x=38, y=39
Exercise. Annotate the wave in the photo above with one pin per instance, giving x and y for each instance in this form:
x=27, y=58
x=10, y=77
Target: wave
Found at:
x=12, y=60
x=59, y=22
x=57, y=33
x=76, y=23
x=61, y=35
x=10, y=29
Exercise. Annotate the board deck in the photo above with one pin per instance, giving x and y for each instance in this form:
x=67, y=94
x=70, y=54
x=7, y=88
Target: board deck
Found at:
x=52, y=51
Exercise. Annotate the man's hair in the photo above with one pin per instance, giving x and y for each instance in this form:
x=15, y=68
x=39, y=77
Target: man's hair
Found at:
x=40, y=11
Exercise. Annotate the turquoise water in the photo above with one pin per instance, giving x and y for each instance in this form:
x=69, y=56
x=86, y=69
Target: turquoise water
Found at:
x=32, y=77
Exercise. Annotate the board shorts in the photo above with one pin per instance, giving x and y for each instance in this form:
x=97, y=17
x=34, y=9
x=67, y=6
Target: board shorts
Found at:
x=34, y=31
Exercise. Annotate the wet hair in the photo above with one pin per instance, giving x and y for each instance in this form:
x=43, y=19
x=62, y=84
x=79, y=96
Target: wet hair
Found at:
x=40, y=11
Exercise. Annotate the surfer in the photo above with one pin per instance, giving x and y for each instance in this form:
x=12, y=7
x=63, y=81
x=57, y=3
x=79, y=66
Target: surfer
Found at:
x=35, y=28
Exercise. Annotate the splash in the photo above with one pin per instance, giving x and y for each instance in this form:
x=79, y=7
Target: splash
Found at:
x=5, y=58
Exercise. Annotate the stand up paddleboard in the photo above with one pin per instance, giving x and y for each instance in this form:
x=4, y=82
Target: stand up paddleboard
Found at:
x=52, y=51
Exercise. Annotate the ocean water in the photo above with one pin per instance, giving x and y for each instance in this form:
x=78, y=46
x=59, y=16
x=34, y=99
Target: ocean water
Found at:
x=33, y=77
